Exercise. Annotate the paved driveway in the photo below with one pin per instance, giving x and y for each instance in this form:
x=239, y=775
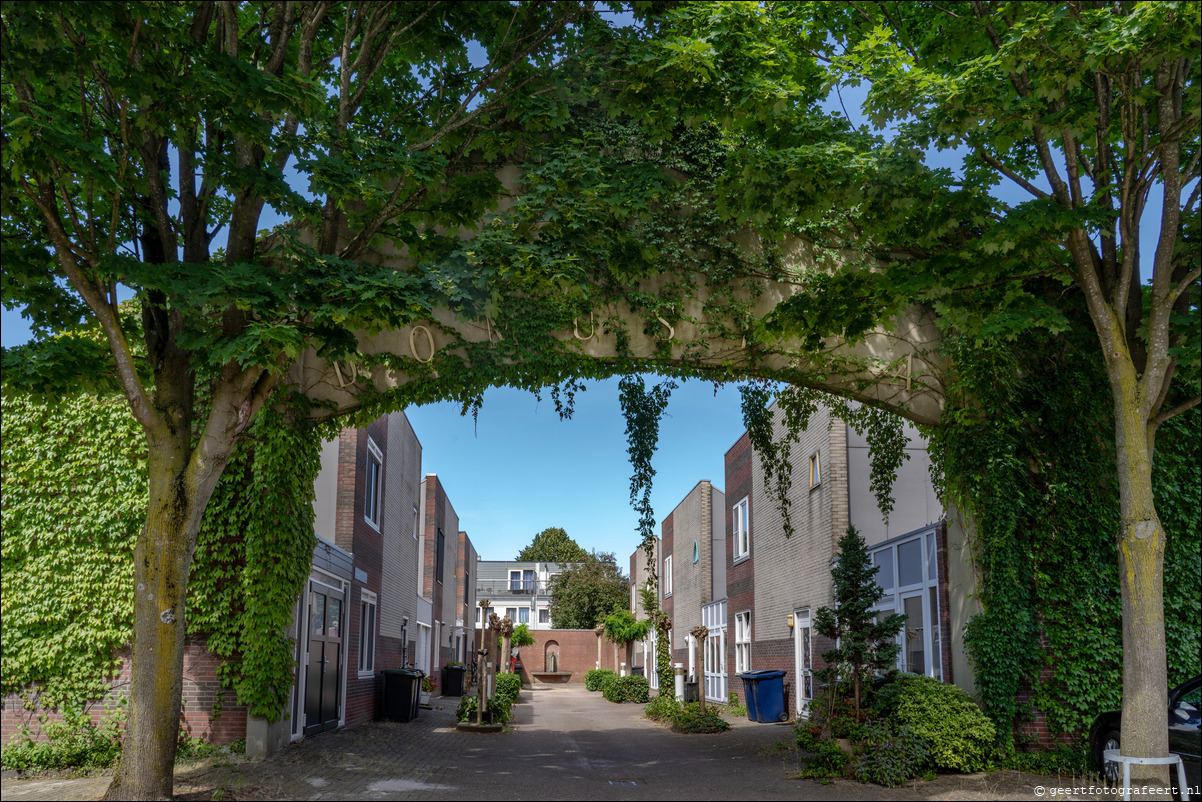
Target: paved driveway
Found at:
x=567, y=743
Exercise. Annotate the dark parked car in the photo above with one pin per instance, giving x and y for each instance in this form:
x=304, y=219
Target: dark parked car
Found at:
x=1184, y=738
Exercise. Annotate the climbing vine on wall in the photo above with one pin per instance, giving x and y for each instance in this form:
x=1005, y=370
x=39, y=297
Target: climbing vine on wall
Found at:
x=1026, y=451
x=253, y=554
x=881, y=428
x=71, y=509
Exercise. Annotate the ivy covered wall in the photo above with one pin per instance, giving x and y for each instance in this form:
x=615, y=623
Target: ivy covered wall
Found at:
x=70, y=510
x=1027, y=450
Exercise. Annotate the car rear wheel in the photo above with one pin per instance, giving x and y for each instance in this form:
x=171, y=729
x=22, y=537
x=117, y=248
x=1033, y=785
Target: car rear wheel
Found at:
x=1108, y=740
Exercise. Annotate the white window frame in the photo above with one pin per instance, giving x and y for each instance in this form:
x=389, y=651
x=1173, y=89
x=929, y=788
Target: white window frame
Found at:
x=815, y=469
x=523, y=616
x=415, y=521
x=544, y=612
x=927, y=590
x=667, y=578
x=514, y=611
x=742, y=642
x=368, y=619
x=373, y=480
x=741, y=530
x=803, y=648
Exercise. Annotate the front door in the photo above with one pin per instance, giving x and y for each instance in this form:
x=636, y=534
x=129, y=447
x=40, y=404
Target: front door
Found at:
x=323, y=679
x=803, y=660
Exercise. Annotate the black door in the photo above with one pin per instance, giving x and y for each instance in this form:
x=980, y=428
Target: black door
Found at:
x=323, y=682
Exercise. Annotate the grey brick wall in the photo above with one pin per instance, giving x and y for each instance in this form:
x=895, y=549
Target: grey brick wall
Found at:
x=402, y=480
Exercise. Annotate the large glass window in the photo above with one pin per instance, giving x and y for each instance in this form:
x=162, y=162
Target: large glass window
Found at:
x=741, y=530
x=373, y=473
x=367, y=632
x=908, y=573
x=742, y=642
x=667, y=578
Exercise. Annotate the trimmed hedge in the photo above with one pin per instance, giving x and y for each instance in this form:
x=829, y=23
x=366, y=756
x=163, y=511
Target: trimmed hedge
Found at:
x=509, y=687
x=627, y=689
x=595, y=678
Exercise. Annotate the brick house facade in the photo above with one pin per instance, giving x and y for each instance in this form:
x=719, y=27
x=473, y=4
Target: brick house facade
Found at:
x=356, y=613
x=762, y=605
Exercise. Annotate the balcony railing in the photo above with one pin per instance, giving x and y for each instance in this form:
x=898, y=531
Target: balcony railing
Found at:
x=513, y=587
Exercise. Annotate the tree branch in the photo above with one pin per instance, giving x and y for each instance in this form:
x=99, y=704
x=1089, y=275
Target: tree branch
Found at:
x=1177, y=410
x=1013, y=176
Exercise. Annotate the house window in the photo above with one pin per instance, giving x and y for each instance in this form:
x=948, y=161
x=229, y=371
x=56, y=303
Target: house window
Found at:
x=415, y=522
x=438, y=564
x=372, y=480
x=907, y=570
x=696, y=552
x=544, y=615
x=741, y=530
x=815, y=470
x=367, y=633
x=515, y=581
x=668, y=576
x=523, y=615
x=467, y=588
x=512, y=612
x=743, y=642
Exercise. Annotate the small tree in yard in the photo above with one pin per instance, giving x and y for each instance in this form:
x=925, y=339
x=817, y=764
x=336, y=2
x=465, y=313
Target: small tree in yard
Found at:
x=622, y=627
x=866, y=646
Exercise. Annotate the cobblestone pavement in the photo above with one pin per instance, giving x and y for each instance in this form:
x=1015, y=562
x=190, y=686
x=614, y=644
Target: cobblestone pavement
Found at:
x=566, y=743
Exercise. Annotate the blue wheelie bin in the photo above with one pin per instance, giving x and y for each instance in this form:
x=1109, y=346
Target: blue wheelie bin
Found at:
x=765, y=694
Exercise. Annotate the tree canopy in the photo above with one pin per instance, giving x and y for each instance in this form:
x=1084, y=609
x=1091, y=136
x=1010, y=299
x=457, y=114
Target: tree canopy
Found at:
x=583, y=594
x=482, y=193
x=1032, y=159
x=553, y=544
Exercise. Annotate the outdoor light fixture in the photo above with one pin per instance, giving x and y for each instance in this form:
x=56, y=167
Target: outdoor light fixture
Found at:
x=789, y=620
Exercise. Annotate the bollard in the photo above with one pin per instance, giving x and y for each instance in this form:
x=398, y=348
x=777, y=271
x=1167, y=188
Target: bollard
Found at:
x=679, y=682
x=622, y=673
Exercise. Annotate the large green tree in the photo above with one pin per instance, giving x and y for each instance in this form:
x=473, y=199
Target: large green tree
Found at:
x=583, y=594
x=139, y=136
x=555, y=545
x=1074, y=131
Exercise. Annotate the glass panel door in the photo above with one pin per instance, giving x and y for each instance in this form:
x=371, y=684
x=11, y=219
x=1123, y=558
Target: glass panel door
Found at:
x=914, y=635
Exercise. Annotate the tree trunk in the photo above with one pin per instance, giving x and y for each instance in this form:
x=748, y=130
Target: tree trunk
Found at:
x=162, y=560
x=1141, y=578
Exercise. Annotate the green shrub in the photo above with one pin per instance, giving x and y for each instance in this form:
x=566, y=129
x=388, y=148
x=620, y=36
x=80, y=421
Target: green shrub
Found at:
x=467, y=709
x=691, y=718
x=499, y=709
x=595, y=678
x=662, y=708
x=821, y=759
x=509, y=687
x=958, y=734
x=890, y=755
x=734, y=707
x=627, y=689
x=75, y=745
x=1070, y=760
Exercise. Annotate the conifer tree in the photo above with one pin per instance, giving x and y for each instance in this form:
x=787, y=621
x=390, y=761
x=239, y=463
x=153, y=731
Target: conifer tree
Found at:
x=866, y=646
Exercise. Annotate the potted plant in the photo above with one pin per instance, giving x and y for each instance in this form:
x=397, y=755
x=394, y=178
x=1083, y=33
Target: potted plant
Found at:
x=429, y=683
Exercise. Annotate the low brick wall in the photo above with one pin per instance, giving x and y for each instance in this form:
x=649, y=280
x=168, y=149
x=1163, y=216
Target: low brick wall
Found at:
x=576, y=651
x=202, y=716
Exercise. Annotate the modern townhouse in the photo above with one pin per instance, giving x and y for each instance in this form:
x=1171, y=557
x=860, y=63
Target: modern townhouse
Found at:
x=757, y=591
